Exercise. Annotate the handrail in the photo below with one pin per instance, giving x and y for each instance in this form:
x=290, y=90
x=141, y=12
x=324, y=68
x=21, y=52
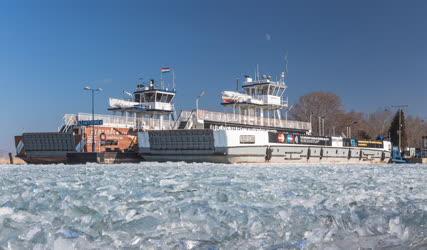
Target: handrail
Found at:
x=251, y=120
x=189, y=117
x=152, y=123
x=120, y=121
x=177, y=120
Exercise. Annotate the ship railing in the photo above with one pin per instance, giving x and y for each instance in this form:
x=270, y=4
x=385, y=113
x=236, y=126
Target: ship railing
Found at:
x=223, y=117
x=120, y=121
x=284, y=102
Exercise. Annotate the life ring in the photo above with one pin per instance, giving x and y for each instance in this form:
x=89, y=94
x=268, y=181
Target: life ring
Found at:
x=296, y=139
x=280, y=138
x=103, y=136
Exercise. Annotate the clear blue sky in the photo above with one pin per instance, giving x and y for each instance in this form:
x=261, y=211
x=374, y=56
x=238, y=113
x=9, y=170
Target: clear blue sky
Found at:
x=368, y=52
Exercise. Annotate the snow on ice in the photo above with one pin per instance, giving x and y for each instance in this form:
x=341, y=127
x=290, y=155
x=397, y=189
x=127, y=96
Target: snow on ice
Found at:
x=211, y=206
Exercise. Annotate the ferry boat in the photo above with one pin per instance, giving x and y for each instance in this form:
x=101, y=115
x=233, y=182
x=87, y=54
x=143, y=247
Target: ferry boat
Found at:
x=148, y=107
x=254, y=132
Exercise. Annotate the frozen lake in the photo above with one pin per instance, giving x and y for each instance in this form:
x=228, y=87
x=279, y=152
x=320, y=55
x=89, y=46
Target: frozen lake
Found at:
x=211, y=206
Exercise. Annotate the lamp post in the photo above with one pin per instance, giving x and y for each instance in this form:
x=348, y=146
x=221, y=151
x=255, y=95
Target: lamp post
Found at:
x=92, y=90
x=197, y=103
x=349, y=129
x=311, y=124
x=323, y=126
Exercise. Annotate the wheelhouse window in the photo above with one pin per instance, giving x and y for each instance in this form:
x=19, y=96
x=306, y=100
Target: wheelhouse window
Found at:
x=264, y=90
x=149, y=97
x=163, y=99
x=169, y=98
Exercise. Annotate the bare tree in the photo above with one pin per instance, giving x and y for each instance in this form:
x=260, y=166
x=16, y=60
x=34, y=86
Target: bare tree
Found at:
x=318, y=104
x=329, y=107
x=355, y=122
x=415, y=129
x=379, y=122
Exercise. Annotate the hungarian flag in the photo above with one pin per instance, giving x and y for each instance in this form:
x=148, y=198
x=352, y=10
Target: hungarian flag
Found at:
x=165, y=70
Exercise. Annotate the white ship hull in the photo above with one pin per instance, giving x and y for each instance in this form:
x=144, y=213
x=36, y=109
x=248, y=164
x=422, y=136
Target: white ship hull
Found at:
x=225, y=146
x=260, y=158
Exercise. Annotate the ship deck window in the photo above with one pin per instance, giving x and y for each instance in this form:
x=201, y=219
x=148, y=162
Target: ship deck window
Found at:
x=265, y=90
x=169, y=98
x=162, y=97
x=137, y=97
x=149, y=97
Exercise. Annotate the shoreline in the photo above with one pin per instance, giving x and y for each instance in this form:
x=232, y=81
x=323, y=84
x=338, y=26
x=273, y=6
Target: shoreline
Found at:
x=16, y=160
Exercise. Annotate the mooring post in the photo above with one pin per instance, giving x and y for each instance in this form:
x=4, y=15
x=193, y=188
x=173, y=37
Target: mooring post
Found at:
x=10, y=158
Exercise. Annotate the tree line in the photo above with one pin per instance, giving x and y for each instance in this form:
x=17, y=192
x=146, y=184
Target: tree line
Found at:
x=328, y=117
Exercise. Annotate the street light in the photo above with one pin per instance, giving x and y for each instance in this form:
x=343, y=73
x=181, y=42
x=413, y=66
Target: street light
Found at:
x=349, y=129
x=197, y=103
x=311, y=124
x=321, y=128
x=92, y=90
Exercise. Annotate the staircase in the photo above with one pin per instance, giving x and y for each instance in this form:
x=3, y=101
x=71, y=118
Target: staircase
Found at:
x=69, y=121
x=182, y=124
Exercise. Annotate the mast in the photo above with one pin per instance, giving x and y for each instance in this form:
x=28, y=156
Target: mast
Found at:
x=173, y=79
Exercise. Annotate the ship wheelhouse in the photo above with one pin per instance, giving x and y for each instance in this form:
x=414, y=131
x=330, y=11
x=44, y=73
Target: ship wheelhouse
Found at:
x=267, y=91
x=261, y=98
x=150, y=98
x=147, y=103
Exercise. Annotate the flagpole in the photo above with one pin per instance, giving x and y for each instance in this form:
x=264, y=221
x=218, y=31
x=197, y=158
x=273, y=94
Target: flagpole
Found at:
x=173, y=79
x=161, y=78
